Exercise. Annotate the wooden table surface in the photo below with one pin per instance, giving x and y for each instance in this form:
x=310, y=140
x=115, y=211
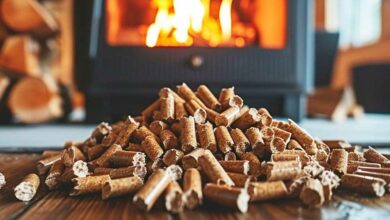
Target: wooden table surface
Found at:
x=57, y=205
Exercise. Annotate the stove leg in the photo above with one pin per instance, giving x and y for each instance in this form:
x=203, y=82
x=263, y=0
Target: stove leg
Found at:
x=295, y=106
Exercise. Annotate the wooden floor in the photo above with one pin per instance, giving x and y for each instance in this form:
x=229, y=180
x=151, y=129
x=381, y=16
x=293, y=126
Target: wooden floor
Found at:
x=57, y=205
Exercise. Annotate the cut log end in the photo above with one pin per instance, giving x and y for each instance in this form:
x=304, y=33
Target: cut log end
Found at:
x=32, y=100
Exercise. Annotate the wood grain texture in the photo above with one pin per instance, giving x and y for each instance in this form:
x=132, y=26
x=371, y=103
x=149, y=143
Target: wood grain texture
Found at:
x=15, y=167
x=57, y=205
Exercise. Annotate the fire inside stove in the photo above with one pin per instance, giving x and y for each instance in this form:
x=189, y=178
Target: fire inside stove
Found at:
x=203, y=23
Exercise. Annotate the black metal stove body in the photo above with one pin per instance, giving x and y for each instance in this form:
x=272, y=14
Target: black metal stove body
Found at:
x=125, y=79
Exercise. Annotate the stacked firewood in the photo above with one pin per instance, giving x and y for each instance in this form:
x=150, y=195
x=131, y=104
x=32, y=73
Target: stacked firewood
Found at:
x=190, y=147
x=29, y=61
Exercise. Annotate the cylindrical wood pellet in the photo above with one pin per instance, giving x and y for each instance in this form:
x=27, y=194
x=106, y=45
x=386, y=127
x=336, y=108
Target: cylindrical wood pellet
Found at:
x=104, y=159
x=152, y=148
x=27, y=188
x=44, y=165
x=224, y=140
x=277, y=145
x=384, y=176
x=366, y=185
x=303, y=157
x=148, y=112
x=208, y=97
x=134, y=147
x=71, y=155
x=167, y=108
x=284, y=157
x=213, y=169
x=172, y=156
x=191, y=160
x=227, y=116
x=69, y=174
x=102, y=171
x=89, y=184
x=254, y=163
x=126, y=132
x=192, y=187
x=52, y=180
x=175, y=128
x=226, y=94
x=268, y=135
x=303, y=137
x=265, y=117
x=2, y=180
x=100, y=131
x=374, y=156
x=155, y=186
x=95, y=151
x=200, y=116
x=339, y=161
x=180, y=111
x=109, y=139
x=232, y=197
x=241, y=143
x=138, y=170
x=312, y=193
x=141, y=133
x=285, y=135
x=256, y=141
x=230, y=156
x=165, y=91
x=188, y=134
x=186, y=93
x=157, y=116
x=211, y=115
x=353, y=165
x=246, y=120
x=241, y=180
x=206, y=136
x=285, y=170
x=122, y=186
x=168, y=139
x=322, y=156
x=236, y=166
x=260, y=191
x=227, y=98
x=123, y=158
x=151, y=166
x=157, y=126
x=355, y=156
x=174, y=201
x=294, y=145
x=375, y=169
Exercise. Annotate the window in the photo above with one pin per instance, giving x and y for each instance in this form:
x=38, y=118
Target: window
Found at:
x=357, y=21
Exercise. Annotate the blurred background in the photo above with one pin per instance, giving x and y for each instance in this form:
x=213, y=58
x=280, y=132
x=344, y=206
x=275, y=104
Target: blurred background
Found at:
x=325, y=63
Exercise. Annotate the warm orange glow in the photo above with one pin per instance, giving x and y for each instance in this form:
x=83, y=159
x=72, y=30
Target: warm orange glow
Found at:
x=225, y=18
x=271, y=21
x=151, y=38
x=189, y=19
x=113, y=19
x=205, y=23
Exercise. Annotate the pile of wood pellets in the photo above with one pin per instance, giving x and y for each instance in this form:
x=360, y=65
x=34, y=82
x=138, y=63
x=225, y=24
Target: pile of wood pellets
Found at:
x=188, y=148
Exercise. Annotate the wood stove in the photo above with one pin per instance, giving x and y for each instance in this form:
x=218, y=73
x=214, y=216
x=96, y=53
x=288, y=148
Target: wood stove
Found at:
x=263, y=48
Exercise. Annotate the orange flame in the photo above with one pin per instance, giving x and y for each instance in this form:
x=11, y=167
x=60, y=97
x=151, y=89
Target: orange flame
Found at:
x=187, y=20
x=226, y=19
